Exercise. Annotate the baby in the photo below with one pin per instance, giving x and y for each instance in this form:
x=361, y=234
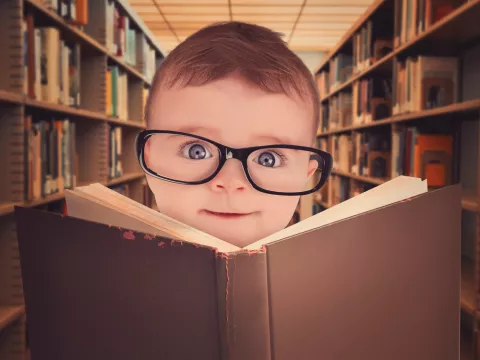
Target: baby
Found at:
x=228, y=87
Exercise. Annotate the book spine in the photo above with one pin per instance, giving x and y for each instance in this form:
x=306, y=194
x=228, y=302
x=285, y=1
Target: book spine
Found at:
x=243, y=306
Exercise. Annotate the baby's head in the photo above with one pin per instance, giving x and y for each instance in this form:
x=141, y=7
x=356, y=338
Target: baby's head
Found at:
x=239, y=85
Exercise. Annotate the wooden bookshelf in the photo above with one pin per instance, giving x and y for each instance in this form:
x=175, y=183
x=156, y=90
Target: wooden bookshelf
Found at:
x=455, y=25
x=455, y=34
x=95, y=114
x=8, y=314
x=82, y=37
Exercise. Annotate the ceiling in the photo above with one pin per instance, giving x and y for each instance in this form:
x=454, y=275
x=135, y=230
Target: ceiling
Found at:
x=307, y=25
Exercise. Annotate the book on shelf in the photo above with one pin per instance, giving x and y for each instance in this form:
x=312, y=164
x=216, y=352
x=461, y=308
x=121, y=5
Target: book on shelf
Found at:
x=340, y=111
x=413, y=17
x=126, y=42
x=124, y=36
x=51, y=163
x=371, y=42
x=423, y=153
x=115, y=279
x=323, y=84
x=73, y=11
x=338, y=190
x=51, y=65
x=341, y=70
x=425, y=82
x=116, y=92
x=115, y=163
x=364, y=153
x=372, y=100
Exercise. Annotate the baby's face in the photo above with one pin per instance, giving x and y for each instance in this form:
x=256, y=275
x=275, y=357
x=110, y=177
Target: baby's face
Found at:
x=235, y=114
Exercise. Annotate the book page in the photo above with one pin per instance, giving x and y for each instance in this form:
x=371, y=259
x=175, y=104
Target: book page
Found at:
x=84, y=207
x=400, y=188
x=124, y=205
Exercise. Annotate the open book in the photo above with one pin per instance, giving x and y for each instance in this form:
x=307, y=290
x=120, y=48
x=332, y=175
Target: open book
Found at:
x=375, y=277
x=98, y=203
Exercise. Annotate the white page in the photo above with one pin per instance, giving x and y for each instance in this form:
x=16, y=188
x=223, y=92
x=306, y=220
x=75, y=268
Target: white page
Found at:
x=397, y=189
x=85, y=207
x=111, y=198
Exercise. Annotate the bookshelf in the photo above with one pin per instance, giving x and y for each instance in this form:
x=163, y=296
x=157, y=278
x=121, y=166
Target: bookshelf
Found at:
x=393, y=102
x=72, y=96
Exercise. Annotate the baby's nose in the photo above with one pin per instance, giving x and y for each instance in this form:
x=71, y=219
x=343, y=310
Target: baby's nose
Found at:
x=231, y=177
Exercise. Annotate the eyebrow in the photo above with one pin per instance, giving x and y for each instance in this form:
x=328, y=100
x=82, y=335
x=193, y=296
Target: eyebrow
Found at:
x=267, y=139
x=270, y=139
x=197, y=129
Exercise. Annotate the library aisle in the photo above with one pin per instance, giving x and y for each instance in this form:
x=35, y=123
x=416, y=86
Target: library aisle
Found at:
x=399, y=95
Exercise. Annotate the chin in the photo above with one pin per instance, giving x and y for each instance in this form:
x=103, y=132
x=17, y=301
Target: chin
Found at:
x=240, y=239
x=240, y=235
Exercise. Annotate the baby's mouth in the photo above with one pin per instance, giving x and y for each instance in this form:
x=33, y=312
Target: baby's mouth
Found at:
x=225, y=215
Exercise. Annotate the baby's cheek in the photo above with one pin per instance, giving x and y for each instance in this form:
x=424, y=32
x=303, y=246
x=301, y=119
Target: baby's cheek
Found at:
x=279, y=210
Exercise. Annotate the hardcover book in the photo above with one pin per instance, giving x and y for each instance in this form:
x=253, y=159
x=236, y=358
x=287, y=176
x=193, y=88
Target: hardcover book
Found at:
x=375, y=277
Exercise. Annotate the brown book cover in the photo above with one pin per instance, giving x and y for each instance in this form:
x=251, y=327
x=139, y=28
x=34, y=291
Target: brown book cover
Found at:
x=433, y=157
x=380, y=282
x=31, y=50
x=81, y=12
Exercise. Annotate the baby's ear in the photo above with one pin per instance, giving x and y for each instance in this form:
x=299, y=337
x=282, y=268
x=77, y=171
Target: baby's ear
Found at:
x=312, y=166
x=146, y=150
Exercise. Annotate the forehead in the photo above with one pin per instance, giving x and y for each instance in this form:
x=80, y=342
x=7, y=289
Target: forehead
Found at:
x=235, y=113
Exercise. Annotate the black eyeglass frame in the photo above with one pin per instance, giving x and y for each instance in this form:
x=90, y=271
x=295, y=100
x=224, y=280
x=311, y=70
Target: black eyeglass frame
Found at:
x=241, y=154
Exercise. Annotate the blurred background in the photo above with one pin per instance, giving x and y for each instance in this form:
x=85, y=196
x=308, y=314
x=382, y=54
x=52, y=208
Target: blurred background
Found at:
x=399, y=95
x=311, y=28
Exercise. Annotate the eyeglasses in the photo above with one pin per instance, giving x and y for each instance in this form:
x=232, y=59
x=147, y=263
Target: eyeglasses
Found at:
x=192, y=160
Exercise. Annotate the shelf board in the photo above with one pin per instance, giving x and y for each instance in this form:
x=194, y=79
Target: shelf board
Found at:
x=129, y=123
x=6, y=96
x=367, y=179
x=463, y=107
x=124, y=179
x=64, y=109
x=6, y=209
x=127, y=67
x=67, y=110
x=470, y=201
x=9, y=314
x=84, y=38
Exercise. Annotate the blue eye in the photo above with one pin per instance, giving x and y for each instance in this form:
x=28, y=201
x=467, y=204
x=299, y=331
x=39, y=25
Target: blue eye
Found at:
x=195, y=151
x=269, y=159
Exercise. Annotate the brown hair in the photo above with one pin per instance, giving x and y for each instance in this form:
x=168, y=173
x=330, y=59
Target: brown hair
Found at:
x=257, y=53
